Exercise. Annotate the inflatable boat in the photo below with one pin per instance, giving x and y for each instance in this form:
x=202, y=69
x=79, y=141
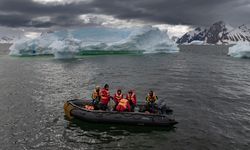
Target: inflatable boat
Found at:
x=75, y=108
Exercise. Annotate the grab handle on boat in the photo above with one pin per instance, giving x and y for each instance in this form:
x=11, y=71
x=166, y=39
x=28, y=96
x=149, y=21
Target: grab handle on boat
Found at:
x=67, y=109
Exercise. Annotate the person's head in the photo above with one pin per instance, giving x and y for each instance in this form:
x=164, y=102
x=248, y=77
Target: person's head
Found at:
x=151, y=93
x=106, y=86
x=130, y=92
x=97, y=88
x=119, y=91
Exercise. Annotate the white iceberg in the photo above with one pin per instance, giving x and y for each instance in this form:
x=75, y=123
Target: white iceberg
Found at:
x=65, y=49
x=66, y=44
x=197, y=42
x=32, y=47
x=240, y=50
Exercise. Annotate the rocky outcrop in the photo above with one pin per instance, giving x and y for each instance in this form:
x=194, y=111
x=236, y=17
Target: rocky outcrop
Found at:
x=218, y=33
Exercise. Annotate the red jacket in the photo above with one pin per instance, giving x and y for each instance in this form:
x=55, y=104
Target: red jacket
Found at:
x=105, y=96
x=118, y=97
x=131, y=98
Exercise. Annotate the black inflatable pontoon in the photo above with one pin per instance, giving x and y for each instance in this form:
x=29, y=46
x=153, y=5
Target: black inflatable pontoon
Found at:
x=75, y=108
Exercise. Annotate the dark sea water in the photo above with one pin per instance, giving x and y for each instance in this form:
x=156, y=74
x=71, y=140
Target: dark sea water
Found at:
x=208, y=91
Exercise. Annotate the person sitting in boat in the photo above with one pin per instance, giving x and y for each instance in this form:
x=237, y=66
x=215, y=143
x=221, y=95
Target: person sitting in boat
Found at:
x=118, y=96
x=105, y=97
x=131, y=97
x=151, y=99
x=123, y=105
x=96, y=96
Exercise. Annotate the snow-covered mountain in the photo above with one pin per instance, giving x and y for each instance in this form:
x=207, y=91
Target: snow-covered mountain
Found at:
x=198, y=34
x=218, y=33
x=6, y=39
x=241, y=33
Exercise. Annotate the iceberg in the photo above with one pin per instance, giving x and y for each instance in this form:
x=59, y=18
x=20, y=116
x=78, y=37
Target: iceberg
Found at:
x=197, y=42
x=240, y=50
x=32, y=47
x=96, y=40
x=65, y=49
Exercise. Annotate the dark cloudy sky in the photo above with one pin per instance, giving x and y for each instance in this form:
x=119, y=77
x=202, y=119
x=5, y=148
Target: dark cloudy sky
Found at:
x=47, y=13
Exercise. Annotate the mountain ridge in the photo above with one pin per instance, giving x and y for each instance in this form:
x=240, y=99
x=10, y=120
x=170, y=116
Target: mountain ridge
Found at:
x=217, y=33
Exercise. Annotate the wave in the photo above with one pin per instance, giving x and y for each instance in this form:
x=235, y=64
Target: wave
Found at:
x=96, y=40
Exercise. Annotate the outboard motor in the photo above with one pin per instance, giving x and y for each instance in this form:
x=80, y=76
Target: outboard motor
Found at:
x=164, y=109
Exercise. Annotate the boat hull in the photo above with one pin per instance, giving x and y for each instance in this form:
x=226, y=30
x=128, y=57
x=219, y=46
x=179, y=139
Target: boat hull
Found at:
x=73, y=108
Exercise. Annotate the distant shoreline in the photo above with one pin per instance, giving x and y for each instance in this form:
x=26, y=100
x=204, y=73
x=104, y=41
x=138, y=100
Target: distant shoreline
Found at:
x=4, y=48
x=222, y=48
x=200, y=46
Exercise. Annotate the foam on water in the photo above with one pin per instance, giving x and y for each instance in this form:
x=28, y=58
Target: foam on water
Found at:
x=66, y=44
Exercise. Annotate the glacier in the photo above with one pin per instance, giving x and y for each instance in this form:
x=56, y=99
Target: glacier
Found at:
x=96, y=40
x=240, y=50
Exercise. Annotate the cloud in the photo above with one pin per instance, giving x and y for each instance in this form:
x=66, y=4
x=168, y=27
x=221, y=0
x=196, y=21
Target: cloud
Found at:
x=174, y=30
x=189, y=12
x=56, y=2
x=14, y=20
x=23, y=13
x=65, y=13
x=108, y=20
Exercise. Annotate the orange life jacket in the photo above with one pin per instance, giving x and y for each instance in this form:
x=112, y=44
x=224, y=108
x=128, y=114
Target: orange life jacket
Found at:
x=89, y=107
x=151, y=98
x=95, y=94
x=105, y=96
x=131, y=98
x=118, y=97
x=123, y=105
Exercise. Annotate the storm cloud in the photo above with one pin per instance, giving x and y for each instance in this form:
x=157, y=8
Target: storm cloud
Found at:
x=30, y=13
